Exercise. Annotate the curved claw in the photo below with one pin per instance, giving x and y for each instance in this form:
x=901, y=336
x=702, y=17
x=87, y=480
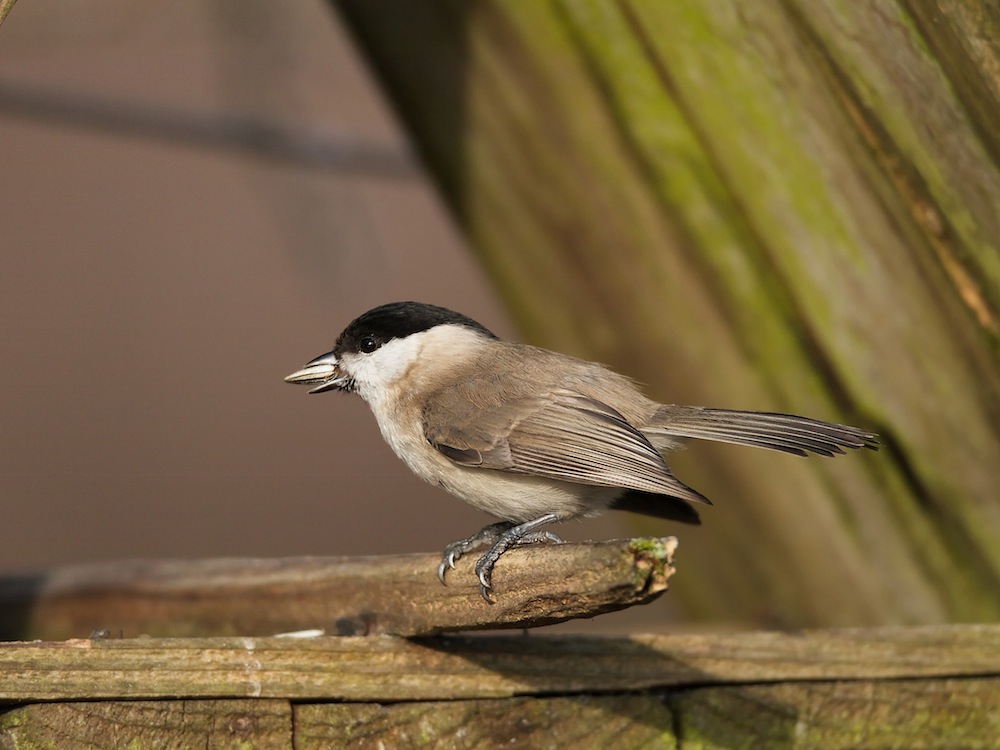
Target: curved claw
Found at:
x=447, y=563
x=484, y=578
x=487, y=594
x=485, y=574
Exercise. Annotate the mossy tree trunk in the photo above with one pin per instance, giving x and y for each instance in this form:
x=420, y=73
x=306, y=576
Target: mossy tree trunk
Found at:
x=787, y=205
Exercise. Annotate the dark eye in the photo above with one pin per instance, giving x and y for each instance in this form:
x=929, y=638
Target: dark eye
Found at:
x=369, y=344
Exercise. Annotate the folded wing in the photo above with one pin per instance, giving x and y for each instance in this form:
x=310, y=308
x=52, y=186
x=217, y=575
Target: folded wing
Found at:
x=564, y=435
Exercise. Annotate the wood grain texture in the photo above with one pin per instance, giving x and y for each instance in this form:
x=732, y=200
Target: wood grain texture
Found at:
x=786, y=206
x=857, y=714
x=385, y=668
x=85, y=725
x=847, y=715
x=395, y=594
x=585, y=721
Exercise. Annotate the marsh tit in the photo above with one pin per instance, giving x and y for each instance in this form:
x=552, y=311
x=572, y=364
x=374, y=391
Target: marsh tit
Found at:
x=529, y=435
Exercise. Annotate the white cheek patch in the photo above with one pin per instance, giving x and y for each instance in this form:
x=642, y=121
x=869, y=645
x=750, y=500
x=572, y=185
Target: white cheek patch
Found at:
x=372, y=373
x=412, y=357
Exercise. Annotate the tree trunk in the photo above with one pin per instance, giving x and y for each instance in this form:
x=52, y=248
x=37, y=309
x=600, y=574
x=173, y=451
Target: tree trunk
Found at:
x=791, y=206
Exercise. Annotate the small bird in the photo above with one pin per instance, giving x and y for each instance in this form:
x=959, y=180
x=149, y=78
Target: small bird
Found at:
x=529, y=435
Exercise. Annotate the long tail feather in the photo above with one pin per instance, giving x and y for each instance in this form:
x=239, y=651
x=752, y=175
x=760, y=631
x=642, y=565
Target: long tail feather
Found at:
x=760, y=429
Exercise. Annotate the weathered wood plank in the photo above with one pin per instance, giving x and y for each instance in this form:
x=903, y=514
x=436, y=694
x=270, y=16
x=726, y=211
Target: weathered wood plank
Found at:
x=910, y=714
x=384, y=668
x=585, y=721
x=396, y=594
x=904, y=714
x=217, y=724
x=913, y=714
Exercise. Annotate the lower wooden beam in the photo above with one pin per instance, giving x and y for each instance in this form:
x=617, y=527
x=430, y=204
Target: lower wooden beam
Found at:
x=843, y=715
x=857, y=714
x=834, y=715
x=85, y=725
x=584, y=721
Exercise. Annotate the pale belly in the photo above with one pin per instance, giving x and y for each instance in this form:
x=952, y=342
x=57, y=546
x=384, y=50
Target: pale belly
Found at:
x=519, y=497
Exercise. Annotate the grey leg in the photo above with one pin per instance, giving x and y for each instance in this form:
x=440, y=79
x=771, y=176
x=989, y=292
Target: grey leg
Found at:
x=525, y=533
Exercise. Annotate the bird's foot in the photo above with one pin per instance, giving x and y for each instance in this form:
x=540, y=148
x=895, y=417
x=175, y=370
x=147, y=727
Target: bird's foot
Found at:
x=484, y=566
x=502, y=536
x=454, y=551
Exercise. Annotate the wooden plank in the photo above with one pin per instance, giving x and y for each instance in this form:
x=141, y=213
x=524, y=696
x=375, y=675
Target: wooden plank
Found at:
x=916, y=714
x=385, y=668
x=586, y=721
x=395, y=594
x=222, y=724
x=911, y=714
x=848, y=715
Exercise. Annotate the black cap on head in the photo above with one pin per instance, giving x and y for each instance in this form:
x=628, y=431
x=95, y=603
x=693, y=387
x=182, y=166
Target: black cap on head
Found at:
x=397, y=320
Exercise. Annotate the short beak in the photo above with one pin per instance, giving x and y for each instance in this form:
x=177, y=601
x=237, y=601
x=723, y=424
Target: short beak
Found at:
x=322, y=370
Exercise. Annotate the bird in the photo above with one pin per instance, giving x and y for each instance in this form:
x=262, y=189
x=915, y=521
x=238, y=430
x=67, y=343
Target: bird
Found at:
x=533, y=436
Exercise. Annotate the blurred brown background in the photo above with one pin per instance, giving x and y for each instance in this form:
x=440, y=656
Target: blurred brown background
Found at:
x=156, y=284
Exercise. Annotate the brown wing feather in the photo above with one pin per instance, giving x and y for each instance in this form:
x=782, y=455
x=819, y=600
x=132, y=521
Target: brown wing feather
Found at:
x=565, y=435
